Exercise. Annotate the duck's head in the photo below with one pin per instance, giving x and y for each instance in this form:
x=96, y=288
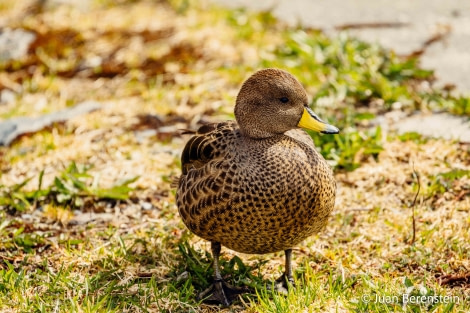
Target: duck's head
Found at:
x=271, y=102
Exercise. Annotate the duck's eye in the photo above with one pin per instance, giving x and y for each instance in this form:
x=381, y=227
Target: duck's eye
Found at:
x=284, y=99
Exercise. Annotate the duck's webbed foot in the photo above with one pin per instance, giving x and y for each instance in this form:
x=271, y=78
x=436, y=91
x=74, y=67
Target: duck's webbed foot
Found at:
x=221, y=292
x=282, y=283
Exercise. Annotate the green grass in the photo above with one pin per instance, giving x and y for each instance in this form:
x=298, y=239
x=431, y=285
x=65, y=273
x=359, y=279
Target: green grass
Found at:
x=73, y=188
x=444, y=182
x=356, y=293
x=43, y=288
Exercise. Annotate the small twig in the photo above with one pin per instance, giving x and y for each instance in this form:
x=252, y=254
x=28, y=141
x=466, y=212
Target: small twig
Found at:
x=416, y=175
x=462, y=194
x=372, y=25
x=454, y=279
x=4, y=257
x=442, y=34
x=144, y=274
x=36, y=193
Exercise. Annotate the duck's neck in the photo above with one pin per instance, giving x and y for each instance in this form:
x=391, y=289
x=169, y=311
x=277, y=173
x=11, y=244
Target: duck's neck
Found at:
x=255, y=133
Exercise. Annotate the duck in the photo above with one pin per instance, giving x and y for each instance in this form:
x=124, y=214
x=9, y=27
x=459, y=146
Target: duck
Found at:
x=257, y=185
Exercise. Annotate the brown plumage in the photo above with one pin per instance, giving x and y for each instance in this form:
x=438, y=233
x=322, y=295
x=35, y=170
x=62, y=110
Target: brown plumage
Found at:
x=257, y=185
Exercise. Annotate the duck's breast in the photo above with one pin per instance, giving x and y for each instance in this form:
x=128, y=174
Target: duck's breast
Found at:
x=283, y=192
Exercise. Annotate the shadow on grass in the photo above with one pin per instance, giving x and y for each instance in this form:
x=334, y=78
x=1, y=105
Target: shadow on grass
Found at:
x=195, y=268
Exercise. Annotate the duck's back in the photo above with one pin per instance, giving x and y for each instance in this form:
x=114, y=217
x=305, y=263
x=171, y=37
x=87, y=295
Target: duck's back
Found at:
x=253, y=195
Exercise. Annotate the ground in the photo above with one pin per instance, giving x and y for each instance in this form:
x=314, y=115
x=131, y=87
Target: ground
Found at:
x=89, y=222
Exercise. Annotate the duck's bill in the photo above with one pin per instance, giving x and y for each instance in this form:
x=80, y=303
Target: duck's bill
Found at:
x=311, y=121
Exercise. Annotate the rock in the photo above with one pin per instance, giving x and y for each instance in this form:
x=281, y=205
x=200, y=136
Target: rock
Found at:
x=7, y=96
x=12, y=128
x=14, y=43
x=441, y=125
x=183, y=276
x=146, y=206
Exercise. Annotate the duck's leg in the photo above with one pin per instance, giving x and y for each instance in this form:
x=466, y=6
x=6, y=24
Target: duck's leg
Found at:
x=287, y=278
x=219, y=292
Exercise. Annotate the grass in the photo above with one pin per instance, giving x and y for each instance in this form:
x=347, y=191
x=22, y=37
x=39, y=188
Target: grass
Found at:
x=87, y=215
x=73, y=188
x=443, y=182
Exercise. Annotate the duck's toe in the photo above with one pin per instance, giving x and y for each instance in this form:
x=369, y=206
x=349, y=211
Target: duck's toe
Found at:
x=221, y=292
x=282, y=284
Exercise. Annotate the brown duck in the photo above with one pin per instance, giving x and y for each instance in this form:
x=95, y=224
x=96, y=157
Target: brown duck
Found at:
x=257, y=185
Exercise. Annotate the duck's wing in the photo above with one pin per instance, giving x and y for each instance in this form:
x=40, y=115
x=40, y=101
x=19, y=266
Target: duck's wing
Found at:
x=206, y=144
x=205, y=186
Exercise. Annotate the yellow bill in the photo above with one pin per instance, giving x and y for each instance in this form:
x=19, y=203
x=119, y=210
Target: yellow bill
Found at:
x=310, y=120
